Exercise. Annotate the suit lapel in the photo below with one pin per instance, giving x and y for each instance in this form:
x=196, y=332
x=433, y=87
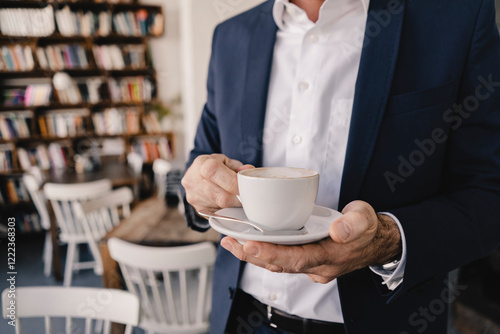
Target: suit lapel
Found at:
x=373, y=85
x=260, y=57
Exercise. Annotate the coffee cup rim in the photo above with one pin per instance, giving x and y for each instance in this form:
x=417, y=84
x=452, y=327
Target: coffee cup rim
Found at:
x=314, y=173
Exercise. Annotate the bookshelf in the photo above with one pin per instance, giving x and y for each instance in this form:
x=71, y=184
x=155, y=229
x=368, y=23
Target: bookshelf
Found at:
x=81, y=71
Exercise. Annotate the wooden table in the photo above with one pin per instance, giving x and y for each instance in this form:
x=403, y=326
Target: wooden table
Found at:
x=151, y=223
x=117, y=172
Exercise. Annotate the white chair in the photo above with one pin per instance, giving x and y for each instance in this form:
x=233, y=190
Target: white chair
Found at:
x=64, y=198
x=173, y=284
x=110, y=305
x=135, y=161
x=37, y=174
x=161, y=168
x=33, y=183
x=100, y=215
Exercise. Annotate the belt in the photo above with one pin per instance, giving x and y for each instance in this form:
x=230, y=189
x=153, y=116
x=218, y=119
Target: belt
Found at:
x=289, y=322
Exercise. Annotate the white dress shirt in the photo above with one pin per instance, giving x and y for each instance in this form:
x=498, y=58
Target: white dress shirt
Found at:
x=309, y=106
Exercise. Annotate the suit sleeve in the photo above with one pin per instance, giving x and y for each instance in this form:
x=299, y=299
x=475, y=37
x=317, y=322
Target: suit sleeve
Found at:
x=463, y=223
x=207, y=139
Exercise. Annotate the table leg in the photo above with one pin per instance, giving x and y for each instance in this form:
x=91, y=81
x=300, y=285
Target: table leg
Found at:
x=56, y=260
x=111, y=277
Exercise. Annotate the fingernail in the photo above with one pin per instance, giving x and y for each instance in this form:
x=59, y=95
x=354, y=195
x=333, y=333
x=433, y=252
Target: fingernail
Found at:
x=227, y=245
x=343, y=230
x=252, y=250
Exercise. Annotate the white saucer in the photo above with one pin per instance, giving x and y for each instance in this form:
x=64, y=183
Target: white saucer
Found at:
x=317, y=227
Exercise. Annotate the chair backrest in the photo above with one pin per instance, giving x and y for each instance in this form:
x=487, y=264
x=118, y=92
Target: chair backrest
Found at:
x=173, y=283
x=37, y=174
x=38, y=198
x=161, y=168
x=101, y=214
x=135, y=161
x=110, y=305
x=65, y=197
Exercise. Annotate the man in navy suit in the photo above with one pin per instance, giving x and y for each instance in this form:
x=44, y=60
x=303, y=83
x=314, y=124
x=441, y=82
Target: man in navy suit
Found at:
x=410, y=111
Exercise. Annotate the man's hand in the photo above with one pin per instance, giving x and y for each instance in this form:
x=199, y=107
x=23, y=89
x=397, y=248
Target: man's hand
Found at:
x=358, y=239
x=211, y=182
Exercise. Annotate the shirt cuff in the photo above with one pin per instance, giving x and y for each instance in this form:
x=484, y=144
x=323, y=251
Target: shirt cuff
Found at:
x=393, y=273
x=194, y=221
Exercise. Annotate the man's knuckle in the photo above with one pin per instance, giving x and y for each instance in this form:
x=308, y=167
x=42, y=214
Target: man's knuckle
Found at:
x=218, y=156
x=199, y=160
x=209, y=168
x=186, y=182
x=223, y=200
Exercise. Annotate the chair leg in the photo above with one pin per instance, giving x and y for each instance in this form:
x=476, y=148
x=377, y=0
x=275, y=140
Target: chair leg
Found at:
x=47, y=254
x=68, y=270
x=94, y=249
x=76, y=258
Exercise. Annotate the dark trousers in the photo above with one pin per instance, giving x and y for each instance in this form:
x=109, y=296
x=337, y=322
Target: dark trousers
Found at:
x=249, y=316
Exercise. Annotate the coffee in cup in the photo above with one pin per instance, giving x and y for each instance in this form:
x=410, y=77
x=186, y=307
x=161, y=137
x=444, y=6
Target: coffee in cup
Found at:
x=278, y=198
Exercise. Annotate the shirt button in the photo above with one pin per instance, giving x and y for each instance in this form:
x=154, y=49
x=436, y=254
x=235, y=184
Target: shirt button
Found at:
x=303, y=86
x=272, y=296
x=297, y=139
x=314, y=39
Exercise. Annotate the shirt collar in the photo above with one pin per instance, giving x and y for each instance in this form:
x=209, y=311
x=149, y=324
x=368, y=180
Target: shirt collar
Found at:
x=280, y=6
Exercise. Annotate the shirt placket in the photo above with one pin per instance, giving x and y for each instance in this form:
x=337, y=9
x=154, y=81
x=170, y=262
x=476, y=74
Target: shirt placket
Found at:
x=303, y=101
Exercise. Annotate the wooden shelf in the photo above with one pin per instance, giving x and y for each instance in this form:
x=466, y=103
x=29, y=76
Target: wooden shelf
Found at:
x=23, y=4
x=78, y=72
x=71, y=144
x=102, y=104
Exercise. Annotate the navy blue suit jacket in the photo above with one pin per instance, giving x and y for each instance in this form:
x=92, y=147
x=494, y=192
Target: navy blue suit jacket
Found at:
x=424, y=144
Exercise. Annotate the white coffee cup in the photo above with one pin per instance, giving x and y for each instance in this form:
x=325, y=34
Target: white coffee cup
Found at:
x=278, y=198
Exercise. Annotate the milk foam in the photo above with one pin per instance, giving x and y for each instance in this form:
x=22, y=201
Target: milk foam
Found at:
x=279, y=172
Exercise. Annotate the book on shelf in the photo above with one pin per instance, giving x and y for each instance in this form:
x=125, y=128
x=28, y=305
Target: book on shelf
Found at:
x=152, y=148
x=6, y=157
x=113, y=121
x=15, y=124
x=83, y=23
x=118, y=57
x=16, y=191
x=33, y=156
x=113, y=147
x=32, y=22
x=81, y=89
x=138, y=23
x=37, y=95
x=64, y=123
x=131, y=89
x=16, y=58
x=13, y=96
x=59, y=155
x=25, y=91
x=151, y=122
x=62, y=56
